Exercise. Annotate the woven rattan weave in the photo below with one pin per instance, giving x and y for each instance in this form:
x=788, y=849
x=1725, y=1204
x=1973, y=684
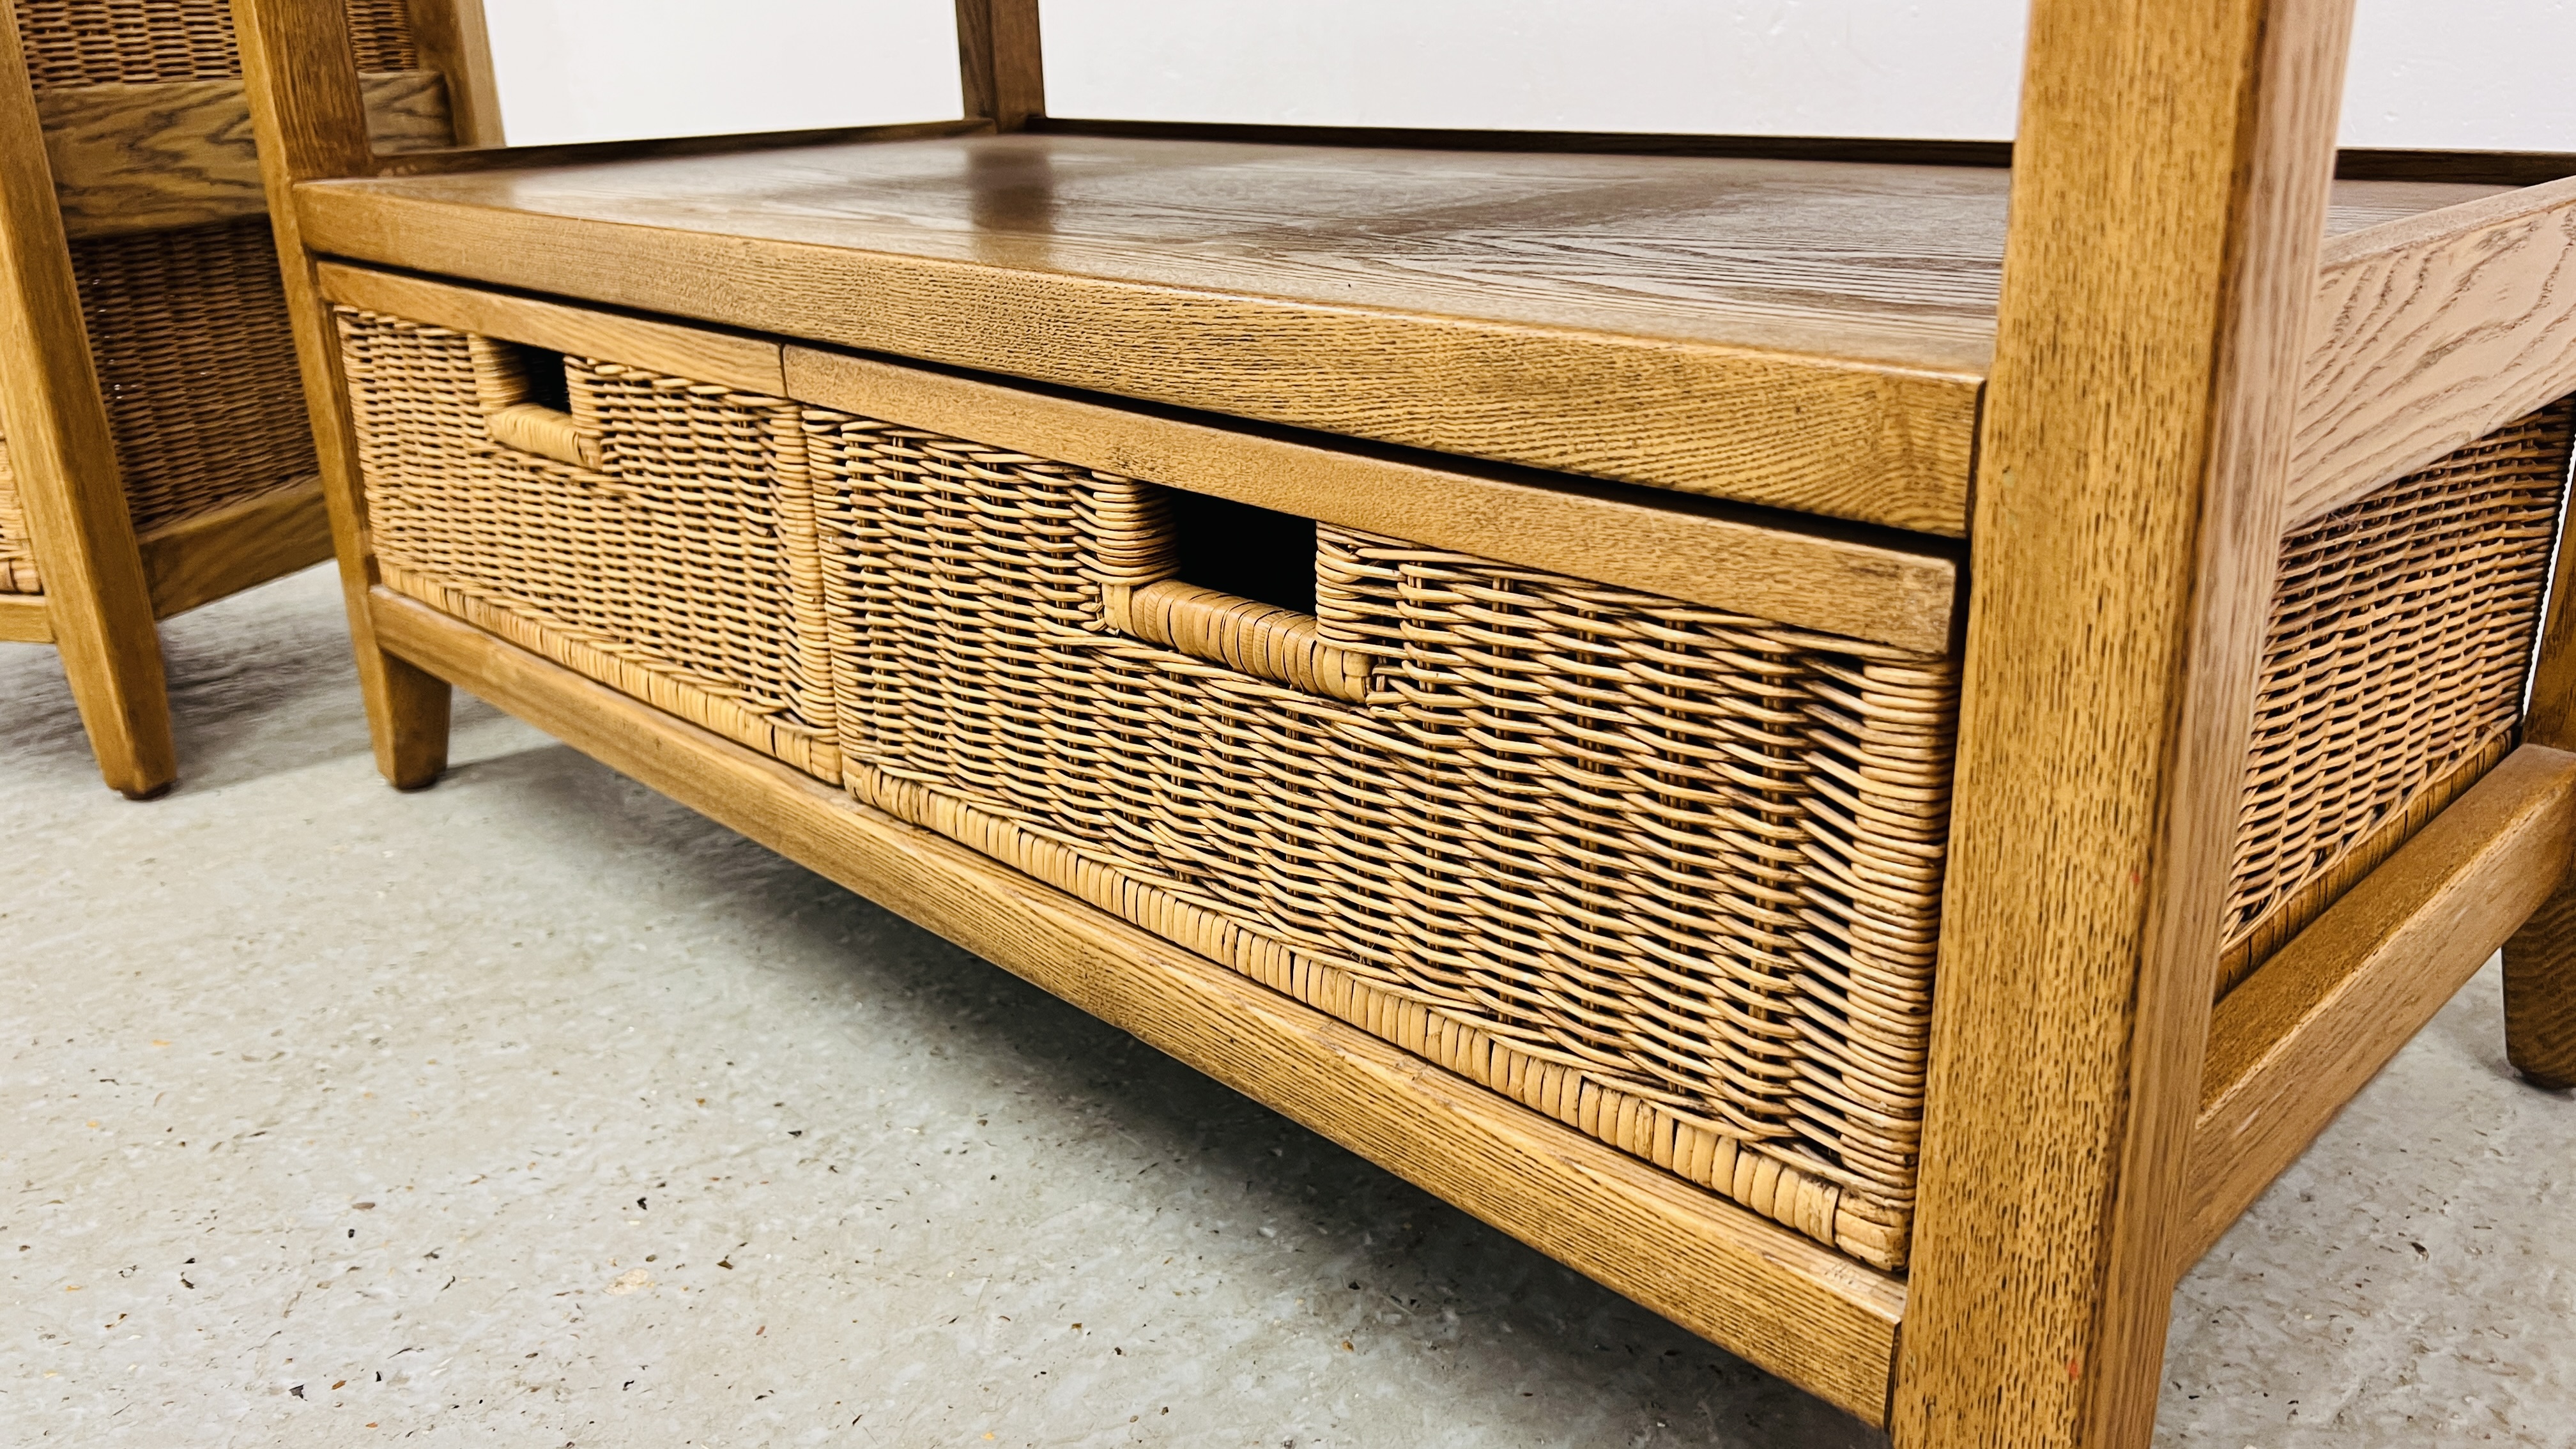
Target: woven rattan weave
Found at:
x=103, y=42
x=682, y=568
x=1669, y=874
x=188, y=331
x=2393, y=671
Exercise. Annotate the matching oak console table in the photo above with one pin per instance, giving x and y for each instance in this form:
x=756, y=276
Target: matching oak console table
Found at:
x=156, y=454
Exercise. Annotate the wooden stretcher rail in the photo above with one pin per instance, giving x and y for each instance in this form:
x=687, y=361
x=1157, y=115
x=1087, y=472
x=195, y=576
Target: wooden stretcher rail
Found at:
x=1758, y=1290
x=129, y=158
x=219, y=553
x=24, y=619
x=2292, y=1044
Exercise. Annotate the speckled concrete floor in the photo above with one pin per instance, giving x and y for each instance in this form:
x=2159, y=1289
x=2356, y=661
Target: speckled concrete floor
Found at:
x=533, y=1109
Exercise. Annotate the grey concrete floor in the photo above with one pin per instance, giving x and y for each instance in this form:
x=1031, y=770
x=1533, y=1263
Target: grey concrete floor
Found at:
x=533, y=1109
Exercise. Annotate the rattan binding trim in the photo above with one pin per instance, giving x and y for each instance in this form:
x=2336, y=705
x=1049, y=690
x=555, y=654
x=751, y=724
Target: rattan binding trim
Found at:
x=1764, y=1183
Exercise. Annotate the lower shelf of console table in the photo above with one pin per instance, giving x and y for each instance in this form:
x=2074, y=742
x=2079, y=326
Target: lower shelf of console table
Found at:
x=1573, y=851
x=1755, y=1288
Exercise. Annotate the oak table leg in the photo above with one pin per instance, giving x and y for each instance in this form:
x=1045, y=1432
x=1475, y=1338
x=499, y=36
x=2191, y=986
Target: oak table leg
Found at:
x=309, y=130
x=96, y=597
x=2540, y=994
x=2169, y=196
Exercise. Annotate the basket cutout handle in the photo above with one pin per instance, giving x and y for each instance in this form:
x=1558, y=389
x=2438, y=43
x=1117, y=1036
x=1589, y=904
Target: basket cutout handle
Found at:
x=1225, y=582
x=525, y=395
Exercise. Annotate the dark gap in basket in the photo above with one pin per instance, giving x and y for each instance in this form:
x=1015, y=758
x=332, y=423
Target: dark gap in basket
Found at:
x=541, y=375
x=1251, y=553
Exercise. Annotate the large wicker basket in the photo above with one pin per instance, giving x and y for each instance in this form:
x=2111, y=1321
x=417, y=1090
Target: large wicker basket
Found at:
x=1669, y=874
x=188, y=327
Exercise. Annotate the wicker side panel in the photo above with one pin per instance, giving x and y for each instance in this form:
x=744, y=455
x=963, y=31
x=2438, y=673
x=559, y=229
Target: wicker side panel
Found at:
x=103, y=42
x=682, y=570
x=17, y=556
x=2393, y=672
x=380, y=34
x=1669, y=873
x=188, y=330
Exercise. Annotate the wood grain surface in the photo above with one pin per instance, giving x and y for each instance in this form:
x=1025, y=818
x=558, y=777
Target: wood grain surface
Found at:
x=2432, y=332
x=64, y=457
x=1488, y=310
x=2292, y=1044
x=2171, y=183
x=1886, y=587
x=1752, y=1287
x=1802, y=334
x=129, y=158
x=308, y=113
x=222, y=552
x=24, y=619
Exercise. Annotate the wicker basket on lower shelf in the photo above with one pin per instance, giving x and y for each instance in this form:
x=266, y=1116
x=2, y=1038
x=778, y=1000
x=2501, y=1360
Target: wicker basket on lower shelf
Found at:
x=1669, y=874
x=674, y=558
x=188, y=331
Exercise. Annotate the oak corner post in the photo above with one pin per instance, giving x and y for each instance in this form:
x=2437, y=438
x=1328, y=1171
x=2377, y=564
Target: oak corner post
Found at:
x=97, y=601
x=1001, y=70
x=311, y=125
x=2169, y=191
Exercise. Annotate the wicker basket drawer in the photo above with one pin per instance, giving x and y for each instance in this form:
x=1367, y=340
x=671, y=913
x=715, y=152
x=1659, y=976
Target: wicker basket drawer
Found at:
x=1666, y=870
x=653, y=532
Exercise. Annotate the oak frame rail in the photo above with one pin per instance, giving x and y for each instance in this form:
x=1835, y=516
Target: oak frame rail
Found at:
x=25, y=619
x=2430, y=333
x=2290, y=1046
x=132, y=158
x=219, y=553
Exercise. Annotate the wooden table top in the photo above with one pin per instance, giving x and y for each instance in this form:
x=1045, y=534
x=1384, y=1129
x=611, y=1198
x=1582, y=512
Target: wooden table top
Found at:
x=1800, y=333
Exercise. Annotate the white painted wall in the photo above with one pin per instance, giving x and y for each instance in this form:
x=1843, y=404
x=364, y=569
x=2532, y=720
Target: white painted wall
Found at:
x=612, y=70
x=2469, y=74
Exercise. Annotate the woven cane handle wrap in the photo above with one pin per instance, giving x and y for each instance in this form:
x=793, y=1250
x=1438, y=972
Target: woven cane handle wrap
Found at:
x=1262, y=640
x=502, y=387
x=544, y=431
